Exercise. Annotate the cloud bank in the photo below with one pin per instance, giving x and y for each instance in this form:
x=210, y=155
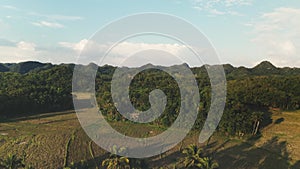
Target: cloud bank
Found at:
x=277, y=35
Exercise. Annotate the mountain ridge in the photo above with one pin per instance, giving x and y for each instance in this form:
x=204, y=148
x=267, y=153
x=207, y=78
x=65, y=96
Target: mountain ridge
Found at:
x=263, y=68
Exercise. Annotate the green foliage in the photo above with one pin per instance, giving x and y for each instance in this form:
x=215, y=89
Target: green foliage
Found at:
x=12, y=162
x=24, y=67
x=193, y=158
x=116, y=162
x=44, y=91
x=209, y=163
x=32, y=87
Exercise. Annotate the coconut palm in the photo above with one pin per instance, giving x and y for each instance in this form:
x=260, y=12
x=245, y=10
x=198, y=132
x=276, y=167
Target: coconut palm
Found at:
x=209, y=163
x=257, y=117
x=11, y=162
x=116, y=162
x=192, y=157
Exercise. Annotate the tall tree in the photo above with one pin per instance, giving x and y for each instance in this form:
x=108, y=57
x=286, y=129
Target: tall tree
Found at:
x=192, y=157
x=257, y=117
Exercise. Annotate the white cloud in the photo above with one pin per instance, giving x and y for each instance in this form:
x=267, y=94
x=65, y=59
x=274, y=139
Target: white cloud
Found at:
x=9, y=7
x=237, y=2
x=220, y=7
x=64, y=17
x=120, y=53
x=11, y=52
x=129, y=48
x=17, y=52
x=56, y=17
x=48, y=24
x=123, y=54
x=124, y=48
x=28, y=46
x=216, y=12
x=277, y=34
x=74, y=46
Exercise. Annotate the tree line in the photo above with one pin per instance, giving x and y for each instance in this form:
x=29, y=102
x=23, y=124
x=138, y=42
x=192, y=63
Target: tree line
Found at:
x=36, y=92
x=34, y=88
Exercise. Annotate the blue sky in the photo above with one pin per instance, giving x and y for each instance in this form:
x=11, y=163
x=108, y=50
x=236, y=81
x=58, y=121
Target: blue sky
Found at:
x=244, y=32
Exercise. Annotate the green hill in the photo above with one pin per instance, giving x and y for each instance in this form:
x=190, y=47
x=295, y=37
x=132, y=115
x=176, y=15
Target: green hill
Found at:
x=24, y=67
x=3, y=68
x=31, y=91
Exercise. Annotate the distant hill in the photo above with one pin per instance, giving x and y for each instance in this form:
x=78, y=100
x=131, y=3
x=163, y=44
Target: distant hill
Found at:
x=264, y=68
x=24, y=67
x=35, y=99
x=3, y=68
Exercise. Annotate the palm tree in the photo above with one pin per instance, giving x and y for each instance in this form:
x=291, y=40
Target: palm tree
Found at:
x=192, y=157
x=116, y=162
x=11, y=162
x=209, y=163
x=257, y=117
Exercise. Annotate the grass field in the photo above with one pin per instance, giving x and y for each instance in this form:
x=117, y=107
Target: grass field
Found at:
x=276, y=147
x=54, y=140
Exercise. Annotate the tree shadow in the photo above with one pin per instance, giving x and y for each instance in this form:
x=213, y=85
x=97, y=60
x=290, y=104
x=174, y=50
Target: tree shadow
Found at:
x=165, y=159
x=267, y=116
x=278, y=121
x=36, y=116
x=211, y=145
x=296, y=165
x=270, y=155
x=82, y=104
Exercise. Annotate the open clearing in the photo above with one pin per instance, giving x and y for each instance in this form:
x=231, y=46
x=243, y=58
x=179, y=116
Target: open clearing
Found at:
x=54, y=140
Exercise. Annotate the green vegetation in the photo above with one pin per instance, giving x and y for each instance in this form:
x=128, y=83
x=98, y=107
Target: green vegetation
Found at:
x=116, y=162
x=42, y=138
x=12, y=162
x=45, y=91
x=194, y=159
x=253, y=131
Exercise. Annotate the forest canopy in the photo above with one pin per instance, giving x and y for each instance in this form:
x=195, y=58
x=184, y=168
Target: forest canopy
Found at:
x=32, y=87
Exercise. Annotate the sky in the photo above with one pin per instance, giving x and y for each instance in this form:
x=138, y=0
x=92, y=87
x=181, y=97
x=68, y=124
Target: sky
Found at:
x=243, y=32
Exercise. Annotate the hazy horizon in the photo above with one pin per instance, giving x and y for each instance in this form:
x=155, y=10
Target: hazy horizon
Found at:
x=243, y=32
x=236, y=66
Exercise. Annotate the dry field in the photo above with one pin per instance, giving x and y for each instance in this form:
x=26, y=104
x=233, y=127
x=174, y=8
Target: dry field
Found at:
x=55, y=140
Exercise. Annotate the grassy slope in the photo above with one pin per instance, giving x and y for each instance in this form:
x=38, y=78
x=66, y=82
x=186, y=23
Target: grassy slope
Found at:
x=50, y=140
x=277, y=147
x=286, y=129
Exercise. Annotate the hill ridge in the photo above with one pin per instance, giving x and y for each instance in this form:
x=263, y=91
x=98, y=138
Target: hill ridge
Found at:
x=263, y=68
